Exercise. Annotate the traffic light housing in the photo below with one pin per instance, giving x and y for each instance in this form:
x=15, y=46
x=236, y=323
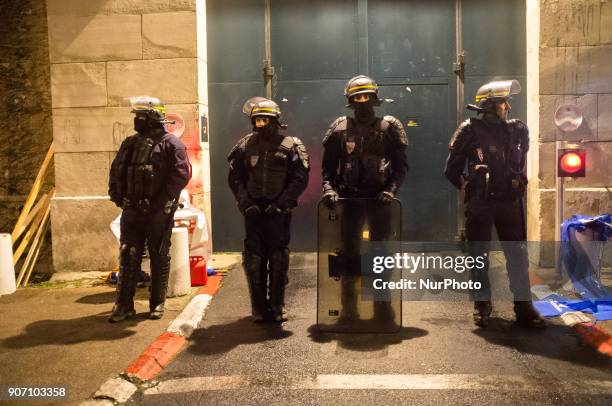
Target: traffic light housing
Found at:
x=571, y=163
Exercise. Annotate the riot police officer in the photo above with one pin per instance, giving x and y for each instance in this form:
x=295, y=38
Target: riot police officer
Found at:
x=495, y=151
x=268, y=172
x=364, y=157
x=146, y=178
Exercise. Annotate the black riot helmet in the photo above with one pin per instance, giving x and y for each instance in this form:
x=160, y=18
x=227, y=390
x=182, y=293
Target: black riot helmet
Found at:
x=359, y=85
x=494, y=92
x=260, y=106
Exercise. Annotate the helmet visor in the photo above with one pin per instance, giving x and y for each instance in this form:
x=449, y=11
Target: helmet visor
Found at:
x=503, y=89
x=251, y=103
x=146, y=103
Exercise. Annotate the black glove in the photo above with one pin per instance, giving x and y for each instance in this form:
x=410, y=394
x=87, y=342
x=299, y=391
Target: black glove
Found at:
x=125, y=203
x=330, y=199
x=273, y=210
x=252, y=210
x=385, y=197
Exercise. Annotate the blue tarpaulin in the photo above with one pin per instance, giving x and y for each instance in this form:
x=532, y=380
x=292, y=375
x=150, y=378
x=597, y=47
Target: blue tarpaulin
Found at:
x=555, y=305
x=580, y=257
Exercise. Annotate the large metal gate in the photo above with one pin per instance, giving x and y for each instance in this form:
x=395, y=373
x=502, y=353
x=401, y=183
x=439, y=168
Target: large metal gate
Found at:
x=408, y=47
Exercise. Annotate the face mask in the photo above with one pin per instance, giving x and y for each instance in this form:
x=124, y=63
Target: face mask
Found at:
x=144, y=126
x=141, y=125
x=266, y=131
x=364, y=112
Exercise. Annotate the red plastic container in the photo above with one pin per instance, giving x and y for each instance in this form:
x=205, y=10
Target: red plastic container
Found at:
x=197, y=267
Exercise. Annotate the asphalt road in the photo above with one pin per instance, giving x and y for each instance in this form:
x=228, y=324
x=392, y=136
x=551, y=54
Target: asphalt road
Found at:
x=439, y=357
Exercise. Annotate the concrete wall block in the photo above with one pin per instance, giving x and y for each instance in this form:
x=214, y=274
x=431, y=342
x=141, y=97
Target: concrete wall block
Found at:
x=548, y=165
x=606, y=23
x=604, y=119
x=570, y=23
x=82, y=239
x=549, y=105
x=594, y=69
x=201, y=26
x=81, y=174
x=78, y=85
x=558, y=70
x=591, y=202
x=202, y=82
x=110, y=7
x=174, y=81
x=169, y=35
x=94, y=38
x=91, y=129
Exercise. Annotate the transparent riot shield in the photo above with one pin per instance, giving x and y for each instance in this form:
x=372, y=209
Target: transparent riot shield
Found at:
x=346, y=300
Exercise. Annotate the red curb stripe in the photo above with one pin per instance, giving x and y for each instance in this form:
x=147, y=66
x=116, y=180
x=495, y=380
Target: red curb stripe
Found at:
x=156, y=356
x=165, y=347
x=595, y=336
x=212, y=285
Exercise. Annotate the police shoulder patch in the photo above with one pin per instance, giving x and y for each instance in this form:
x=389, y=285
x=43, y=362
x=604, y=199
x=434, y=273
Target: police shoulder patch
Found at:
x=339, y=124
x=399, y=129
x=301, y=152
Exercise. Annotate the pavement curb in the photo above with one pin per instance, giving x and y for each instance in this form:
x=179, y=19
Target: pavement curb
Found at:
x=161, y=351
x=590, y=333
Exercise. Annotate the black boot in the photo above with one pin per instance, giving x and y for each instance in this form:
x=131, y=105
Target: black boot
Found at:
x=279, y=267
x=126, y=285
x=255, y=276
x=384, y=315
x=348, y=298
x=482, y=312
x=528, y=316
x=160, y=272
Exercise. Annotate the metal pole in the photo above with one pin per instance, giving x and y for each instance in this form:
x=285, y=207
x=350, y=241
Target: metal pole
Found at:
x=268, y=68
x=559, y=195
x=458, y=68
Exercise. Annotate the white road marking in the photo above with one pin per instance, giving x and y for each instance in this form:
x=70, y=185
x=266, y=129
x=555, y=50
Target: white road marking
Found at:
x=198, y=384
x=380, y=382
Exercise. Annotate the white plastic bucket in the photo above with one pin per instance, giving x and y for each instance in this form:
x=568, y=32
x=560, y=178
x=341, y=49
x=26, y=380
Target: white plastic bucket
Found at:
x=7, y=270
x=179, y=283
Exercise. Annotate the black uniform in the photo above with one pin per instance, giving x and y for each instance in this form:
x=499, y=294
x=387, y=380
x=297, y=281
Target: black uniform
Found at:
x=496, y=153
x=269, y=173
x=363, y=161
x=146, y=178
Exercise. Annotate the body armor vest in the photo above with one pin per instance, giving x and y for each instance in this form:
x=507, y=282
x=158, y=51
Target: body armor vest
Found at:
x=497, y=162
x=268, y=164
x=140, y=174
x=364, y=167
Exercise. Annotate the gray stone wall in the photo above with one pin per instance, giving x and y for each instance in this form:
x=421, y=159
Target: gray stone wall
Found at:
x=25, y=108
x=575, y=55
x=102, y=52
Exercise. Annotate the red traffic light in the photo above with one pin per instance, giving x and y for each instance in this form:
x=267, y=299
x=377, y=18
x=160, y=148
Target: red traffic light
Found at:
x=571, y=163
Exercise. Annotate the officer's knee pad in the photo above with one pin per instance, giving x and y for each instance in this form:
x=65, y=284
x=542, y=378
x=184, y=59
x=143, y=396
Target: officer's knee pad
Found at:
x=128, y=254
x=159, y=259
x=280, y=257
x=251, y=261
